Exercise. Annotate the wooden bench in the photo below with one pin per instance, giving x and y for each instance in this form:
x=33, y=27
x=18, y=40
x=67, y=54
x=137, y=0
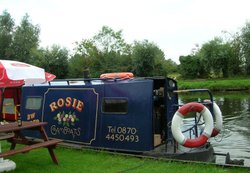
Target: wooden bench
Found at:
x=50, y=144
x=5, y=136
x=29, y=144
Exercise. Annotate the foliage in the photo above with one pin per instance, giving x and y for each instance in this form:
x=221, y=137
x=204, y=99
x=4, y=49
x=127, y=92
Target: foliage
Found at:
x=216, y=58
x=55, y=61
x=191, y=66
x=77, y=65
x=235, y=62
x=37, y=57
x=105, y=52
x=216, y=55
x=21, y=43
x=147, y=59
x=221, y=58
x=107, y=40
x=170, y=66
x=6, y=30
x=245, y=38
x=231, y=84
x=25, y=38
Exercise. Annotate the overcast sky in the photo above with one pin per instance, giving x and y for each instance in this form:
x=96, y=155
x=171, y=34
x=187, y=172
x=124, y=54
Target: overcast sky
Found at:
x=174, y=25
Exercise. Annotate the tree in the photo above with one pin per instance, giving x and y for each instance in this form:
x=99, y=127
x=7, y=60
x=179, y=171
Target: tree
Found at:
x=78, y=64
x=170, y=66
x=234, y=49
x=105, y=52
x=6, y=30
x=216, y=55
x=191, y=66
x=55, y=61
x=107, y=40
x=37, y=57
x=147, y=59
x=245, y=36
x=25, y=38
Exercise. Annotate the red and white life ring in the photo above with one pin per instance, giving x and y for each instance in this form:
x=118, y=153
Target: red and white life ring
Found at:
x=218, y=119
x=122, y=75
x=178, y=120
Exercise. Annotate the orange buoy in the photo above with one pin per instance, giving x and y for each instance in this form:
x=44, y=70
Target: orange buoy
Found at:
x=122, y=75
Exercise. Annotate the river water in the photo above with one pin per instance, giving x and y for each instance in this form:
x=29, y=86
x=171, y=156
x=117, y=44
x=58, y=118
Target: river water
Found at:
x=235, y=136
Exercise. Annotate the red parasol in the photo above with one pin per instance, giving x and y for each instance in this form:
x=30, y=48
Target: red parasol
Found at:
x=14, y=73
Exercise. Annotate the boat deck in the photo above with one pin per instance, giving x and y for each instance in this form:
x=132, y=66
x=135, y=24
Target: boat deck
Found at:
x=203, y=154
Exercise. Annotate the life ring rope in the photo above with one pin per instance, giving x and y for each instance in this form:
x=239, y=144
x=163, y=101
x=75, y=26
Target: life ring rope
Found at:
x=178, y=120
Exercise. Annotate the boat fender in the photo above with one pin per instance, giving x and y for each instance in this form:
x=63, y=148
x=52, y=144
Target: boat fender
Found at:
x=178, y=120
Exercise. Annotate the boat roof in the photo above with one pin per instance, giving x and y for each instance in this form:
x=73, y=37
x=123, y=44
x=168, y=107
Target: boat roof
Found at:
x=90, y=81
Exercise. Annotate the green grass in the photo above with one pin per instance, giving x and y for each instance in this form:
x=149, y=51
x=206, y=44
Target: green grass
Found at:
x=90, y=161
x=217, y=84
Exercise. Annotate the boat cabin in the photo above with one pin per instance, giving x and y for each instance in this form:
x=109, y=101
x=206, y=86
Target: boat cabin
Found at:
x=120, y=114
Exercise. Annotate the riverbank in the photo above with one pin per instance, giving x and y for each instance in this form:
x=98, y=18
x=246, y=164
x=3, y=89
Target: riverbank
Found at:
x=83, y=160
x=233, y=84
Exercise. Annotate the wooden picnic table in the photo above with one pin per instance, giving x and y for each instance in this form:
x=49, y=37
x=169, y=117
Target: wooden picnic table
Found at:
x=18, y=137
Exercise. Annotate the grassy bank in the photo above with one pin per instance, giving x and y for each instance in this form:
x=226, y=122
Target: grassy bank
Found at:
x=235, y=84
x=80, y=161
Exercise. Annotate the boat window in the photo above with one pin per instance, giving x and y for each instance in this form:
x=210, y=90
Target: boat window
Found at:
x=33, y=103
x=115, y=105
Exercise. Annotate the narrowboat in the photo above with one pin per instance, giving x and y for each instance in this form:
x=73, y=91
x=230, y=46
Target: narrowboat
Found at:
x=119, y=112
